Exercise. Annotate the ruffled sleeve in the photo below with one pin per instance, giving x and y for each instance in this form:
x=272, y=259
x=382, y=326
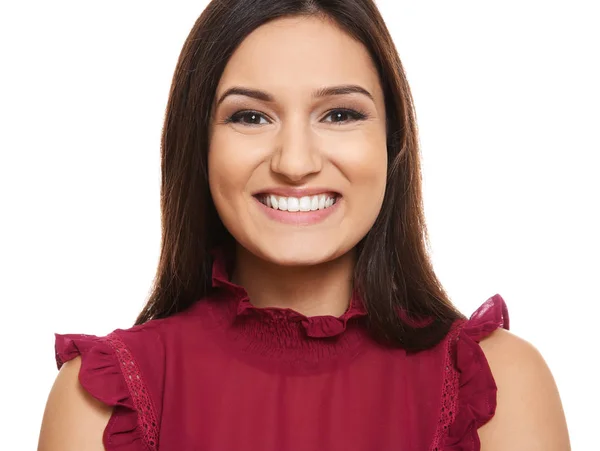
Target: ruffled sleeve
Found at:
x=474, y=393
x=112, y=371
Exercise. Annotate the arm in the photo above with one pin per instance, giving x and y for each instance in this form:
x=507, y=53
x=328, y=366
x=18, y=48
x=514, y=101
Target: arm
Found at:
x=529, y=414
x=73, y=420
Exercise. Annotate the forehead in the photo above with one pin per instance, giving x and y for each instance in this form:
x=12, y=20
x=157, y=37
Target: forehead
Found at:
x=295, y=55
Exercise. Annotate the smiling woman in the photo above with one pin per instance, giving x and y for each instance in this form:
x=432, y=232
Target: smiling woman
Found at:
x=295, y=306
x=311, y=133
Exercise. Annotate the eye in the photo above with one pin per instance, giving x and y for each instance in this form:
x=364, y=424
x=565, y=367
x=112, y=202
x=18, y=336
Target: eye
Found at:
x=246, y=117
x=340, y=116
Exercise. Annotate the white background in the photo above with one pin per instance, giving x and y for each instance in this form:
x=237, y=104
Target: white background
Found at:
x=507, y=101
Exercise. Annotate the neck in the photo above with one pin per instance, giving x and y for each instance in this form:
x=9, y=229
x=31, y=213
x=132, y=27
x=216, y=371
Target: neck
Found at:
x=315, y=290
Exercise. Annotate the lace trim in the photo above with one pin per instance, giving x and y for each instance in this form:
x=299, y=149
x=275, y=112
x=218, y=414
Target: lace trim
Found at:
x=449, y=390
x=139, y=393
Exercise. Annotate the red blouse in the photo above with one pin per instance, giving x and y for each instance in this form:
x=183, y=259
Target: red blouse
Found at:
x=227, y=376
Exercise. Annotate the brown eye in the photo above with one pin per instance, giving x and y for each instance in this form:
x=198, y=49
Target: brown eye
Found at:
x=341, y=116
x=245, y=117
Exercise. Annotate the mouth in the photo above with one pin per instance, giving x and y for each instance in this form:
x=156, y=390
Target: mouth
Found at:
x=298, y=204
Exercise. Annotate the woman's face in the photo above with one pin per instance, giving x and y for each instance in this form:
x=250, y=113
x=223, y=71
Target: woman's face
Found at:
x=297, y=176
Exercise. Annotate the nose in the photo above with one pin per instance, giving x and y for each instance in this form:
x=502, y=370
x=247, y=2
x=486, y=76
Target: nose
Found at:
x=295, y=156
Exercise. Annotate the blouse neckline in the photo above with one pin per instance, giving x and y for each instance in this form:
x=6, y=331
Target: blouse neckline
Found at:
x=282, y=334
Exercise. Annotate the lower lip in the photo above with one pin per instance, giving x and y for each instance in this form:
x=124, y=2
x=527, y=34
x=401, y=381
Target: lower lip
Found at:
x=300, y=218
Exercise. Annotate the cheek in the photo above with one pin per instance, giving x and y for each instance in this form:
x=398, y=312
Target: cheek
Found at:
x=224, y=178
x=227, y=171
x=365, y=166
x=217, y=175
x=231, y=164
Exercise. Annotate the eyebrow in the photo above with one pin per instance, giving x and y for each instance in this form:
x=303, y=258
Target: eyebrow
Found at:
x=319, y=93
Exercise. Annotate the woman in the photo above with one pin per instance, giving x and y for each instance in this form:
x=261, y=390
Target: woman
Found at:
x=295, y=307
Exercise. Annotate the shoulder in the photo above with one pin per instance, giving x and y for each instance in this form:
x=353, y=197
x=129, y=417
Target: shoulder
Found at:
x=108, y=388
x=529, y=413
x=73, y=419
x=141, y=343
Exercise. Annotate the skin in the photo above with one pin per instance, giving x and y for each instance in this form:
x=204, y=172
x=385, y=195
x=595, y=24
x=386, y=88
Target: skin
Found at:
x=73, y=420
x=298, y=141
x=308, y=268
x=529, y=414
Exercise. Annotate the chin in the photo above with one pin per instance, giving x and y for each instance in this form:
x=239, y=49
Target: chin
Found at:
x=297, y=253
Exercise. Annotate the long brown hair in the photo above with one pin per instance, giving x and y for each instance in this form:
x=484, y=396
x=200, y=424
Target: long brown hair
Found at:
x=393, y=271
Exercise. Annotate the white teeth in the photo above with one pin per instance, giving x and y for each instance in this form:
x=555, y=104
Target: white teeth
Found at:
x=304, y=203
x=293, y=204
x=322, y=200
x=314, y=203
x=274, y=202
x=282, y=202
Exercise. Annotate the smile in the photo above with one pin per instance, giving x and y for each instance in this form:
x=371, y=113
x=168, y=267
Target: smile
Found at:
x=293, y=204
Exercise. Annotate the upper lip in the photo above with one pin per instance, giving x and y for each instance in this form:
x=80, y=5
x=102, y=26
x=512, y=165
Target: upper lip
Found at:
x=296, y=192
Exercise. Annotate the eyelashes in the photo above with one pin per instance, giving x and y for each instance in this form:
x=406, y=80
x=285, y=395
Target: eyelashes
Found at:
x=350, y=114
